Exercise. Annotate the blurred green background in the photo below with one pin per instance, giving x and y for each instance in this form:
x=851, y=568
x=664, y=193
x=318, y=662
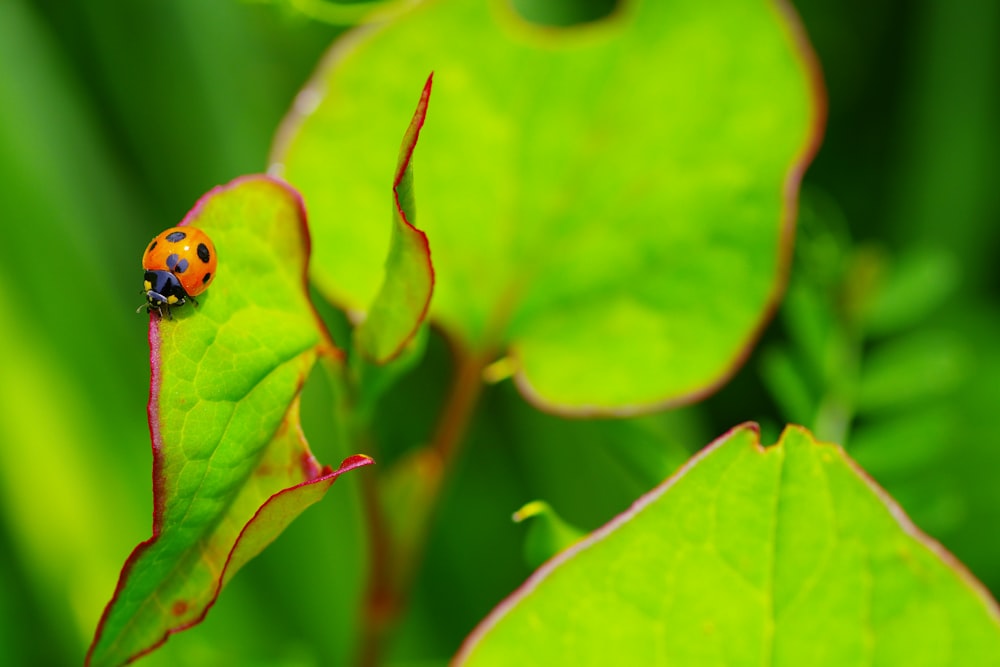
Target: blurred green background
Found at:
x=115, y=117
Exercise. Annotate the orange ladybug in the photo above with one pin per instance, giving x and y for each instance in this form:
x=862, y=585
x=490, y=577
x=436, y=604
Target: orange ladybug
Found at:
x=179, y=265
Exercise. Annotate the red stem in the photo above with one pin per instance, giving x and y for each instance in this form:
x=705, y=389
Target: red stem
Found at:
x=393, y=568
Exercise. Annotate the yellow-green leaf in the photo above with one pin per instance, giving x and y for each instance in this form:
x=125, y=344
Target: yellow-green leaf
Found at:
x=402, y=302
x=611, y=205
x=231, y=467
x=784, y=555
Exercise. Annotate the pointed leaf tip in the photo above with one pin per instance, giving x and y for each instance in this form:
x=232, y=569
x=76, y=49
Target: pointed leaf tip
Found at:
x=355, y=461
x=401, y=305
x=547, y=532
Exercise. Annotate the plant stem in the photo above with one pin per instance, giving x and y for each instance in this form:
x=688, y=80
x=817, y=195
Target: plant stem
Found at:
x=462, y=400
x=395, y=562
x=380, y=604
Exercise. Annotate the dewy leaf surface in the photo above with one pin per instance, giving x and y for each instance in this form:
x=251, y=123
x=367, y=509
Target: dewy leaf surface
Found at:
x=230, y=465
x=786, y=555
x=402, y=302
x=612, y=205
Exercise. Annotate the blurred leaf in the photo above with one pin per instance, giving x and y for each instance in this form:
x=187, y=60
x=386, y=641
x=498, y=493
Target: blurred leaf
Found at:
x=812, y=311
x=815, y=331
x=71, y=395
x=592, y=469
x=401, y=303
x=172, y=80
x=939, y=457
x=912, y=369
x=918, y=283
x=333, y=12
x=622, y=235
x=371, y=380
x=231, y=466
x=407, y=493
x=787, y=386
x=912, y=453
x=548, y=533
x=788, y=555
x=33, y=388
x=860, y=280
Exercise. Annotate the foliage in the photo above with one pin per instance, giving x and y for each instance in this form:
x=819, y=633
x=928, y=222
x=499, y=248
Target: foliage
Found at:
x=231, y=466
x=559, y=223
x=783, y=555
x=608, y=203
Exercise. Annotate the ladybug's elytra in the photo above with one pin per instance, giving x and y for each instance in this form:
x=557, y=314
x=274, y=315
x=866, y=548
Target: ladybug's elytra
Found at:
x=179, y=265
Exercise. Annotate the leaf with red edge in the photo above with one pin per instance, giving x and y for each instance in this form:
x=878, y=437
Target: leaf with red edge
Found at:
x=612, y=205
x=401, y=303
x=231, y=467
x=784, y=555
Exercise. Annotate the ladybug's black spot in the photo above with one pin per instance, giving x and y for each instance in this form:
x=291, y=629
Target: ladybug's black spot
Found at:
x=206, y=277
x=203, y=253
x=176, y=264
x=151, y=246
x=174, y=237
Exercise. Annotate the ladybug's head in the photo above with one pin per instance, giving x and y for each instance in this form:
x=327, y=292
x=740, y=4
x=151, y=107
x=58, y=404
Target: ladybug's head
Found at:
x=163, y=290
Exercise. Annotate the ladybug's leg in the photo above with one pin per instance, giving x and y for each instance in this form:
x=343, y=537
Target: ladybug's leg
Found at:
x=193, y=300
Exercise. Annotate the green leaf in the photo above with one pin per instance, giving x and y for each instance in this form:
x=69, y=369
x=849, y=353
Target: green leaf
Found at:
x=622, y=235
x=231, y=467
x=786, y=555
x=913, y=369
x=548, y=533
x=919, y=282
x=402, y=302
x=787, y=385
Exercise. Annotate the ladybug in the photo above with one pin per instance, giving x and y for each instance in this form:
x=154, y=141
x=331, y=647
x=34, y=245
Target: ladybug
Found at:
x=179, y=265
